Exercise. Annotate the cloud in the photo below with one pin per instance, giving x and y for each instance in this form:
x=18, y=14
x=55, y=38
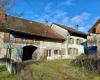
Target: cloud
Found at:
x=56, y=13
x=48, y=7
x=65, y=20
x=79, y=19
x=53, y=14
x=69, y=2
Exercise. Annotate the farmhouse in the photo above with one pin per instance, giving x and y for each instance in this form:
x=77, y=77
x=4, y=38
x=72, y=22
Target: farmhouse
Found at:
x=74, y=40
x=19, y=38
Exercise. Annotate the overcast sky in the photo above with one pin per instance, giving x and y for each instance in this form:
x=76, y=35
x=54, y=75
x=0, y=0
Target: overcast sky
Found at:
x=65, y=12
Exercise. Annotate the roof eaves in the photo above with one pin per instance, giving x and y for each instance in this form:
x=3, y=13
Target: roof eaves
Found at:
x=96, y=23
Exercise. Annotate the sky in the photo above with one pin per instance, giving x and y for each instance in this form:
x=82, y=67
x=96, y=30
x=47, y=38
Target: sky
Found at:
x=66, y=12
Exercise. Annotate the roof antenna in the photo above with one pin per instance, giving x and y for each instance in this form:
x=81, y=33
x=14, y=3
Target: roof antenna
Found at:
x=46, y=20
x=77, y=26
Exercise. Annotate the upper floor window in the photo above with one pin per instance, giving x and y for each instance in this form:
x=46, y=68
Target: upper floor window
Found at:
x=81, y=41
x=78, y=41
x=71, y=40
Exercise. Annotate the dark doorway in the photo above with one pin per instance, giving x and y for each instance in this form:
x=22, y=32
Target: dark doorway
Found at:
x=27, y=52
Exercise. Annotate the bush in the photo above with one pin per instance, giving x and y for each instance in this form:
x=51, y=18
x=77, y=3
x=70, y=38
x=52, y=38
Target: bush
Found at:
x=90, y=62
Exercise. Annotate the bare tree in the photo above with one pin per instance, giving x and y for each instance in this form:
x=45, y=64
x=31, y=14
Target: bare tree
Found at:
x=6, y=8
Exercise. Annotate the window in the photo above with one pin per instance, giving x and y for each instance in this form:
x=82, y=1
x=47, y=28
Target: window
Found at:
x=81, y=41
x=71, y=41
x=78, y=41
x=49, y=52
x=55, y=52
x=73, y=51
x=70, y=51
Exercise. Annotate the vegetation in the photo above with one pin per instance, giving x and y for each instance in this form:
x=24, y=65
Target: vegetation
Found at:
x=4, y=74
x=51, y=70
x=89, y=62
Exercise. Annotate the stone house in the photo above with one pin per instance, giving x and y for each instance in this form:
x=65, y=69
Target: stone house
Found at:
x=24, y=37
x=74, y=40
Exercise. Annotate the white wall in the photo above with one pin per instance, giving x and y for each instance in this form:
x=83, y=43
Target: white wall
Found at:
x=76, y=46
x=66, y=44
x=60, y=30
x=52, y=46
x=2, y=49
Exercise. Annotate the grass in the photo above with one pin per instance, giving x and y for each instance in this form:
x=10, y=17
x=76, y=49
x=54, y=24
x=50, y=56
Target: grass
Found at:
x=4, y=74
x=51, y=70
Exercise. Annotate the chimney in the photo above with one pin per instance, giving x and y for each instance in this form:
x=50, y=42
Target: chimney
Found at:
x=2, y=15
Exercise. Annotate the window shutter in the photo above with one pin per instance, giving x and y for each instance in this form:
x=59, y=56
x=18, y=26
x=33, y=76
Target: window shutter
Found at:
x=45, y=54
x=60, y=52
x=6, y=37
x=18, y=40
x=30, y=41
x=63, y=51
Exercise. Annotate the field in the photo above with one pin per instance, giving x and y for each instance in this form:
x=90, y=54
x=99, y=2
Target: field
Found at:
x=51, y=70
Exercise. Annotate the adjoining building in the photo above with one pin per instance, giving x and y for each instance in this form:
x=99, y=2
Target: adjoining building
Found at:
x=93, y=38
x=74, y=40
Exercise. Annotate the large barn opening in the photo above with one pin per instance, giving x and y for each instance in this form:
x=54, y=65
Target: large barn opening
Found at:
x=27, y=52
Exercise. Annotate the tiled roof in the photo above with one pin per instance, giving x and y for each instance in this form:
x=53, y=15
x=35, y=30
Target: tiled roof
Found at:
x=32, y=28
x=94, y=28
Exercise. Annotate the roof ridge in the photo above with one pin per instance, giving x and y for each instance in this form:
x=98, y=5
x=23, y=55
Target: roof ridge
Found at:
x=68, y=27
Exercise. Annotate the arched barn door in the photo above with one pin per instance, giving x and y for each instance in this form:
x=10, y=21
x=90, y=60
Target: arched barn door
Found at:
x=27, y=52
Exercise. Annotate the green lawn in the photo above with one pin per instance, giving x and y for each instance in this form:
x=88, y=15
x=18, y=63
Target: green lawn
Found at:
x=51, y=70
x=4, y=74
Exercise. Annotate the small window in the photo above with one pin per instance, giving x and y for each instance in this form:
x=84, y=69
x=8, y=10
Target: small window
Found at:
x=49, y=52
x=55, y=52
x=73, y=51
x=81, y=41
x=71, y=41
x=78, y=41
x=70, y=51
